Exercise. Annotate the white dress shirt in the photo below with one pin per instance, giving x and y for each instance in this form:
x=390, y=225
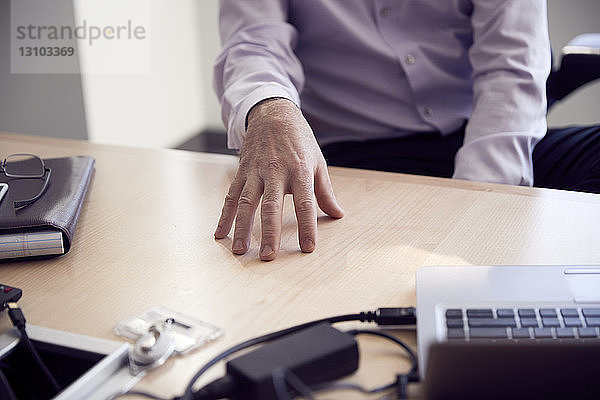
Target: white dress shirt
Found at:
x=369, y=69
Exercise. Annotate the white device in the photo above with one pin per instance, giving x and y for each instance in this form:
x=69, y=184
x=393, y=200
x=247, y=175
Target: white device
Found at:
x=565, y=301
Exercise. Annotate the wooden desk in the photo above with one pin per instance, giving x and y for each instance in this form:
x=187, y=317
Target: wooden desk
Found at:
x=145, y=237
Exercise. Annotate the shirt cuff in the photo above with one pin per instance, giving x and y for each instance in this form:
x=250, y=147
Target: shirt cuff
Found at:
x=501, y=158
x=236, y=129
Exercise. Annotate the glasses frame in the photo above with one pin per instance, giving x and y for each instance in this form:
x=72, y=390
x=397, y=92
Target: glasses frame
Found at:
x=20, y=204
x=3, y=190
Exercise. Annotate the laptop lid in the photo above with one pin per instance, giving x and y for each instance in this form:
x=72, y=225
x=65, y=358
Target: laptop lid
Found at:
x=513, y=370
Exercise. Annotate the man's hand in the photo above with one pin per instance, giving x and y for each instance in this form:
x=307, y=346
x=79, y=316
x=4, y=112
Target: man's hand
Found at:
x=279, y=156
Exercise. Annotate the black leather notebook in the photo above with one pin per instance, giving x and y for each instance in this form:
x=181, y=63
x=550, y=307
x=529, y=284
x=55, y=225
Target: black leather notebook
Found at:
x=45, y=227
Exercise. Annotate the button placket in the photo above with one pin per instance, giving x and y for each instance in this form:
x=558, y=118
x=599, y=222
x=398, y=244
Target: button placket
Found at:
x=385, y=12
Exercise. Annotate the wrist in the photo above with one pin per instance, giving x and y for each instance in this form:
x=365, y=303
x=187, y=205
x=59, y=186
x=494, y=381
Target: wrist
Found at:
x=272, y=106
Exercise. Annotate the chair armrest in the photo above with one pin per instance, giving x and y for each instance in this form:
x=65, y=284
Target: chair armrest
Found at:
x=588, y=43
x=580, y=64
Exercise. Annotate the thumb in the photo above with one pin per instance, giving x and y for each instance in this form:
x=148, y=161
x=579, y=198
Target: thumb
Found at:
x=324, y=193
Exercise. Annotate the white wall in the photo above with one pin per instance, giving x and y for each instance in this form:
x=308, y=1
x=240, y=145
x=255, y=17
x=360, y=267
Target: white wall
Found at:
x=208, y=14
x=160, y=108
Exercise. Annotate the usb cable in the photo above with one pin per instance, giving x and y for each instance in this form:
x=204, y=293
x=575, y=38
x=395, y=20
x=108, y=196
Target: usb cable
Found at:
x=18, y=319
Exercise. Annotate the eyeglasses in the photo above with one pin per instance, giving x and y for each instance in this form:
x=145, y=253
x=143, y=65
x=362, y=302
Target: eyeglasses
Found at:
x=26, y=166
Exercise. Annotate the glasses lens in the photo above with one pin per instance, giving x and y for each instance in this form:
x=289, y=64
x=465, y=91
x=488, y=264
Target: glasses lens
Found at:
x=24, y=166
x=23, y=189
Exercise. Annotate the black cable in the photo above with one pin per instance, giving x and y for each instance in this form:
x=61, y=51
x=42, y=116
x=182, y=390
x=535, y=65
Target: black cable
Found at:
x=402, y=386
x=18, y=319
x=6, y=391
x=36, y=356
x=400, y=383
x=382, y=316
x=402, y=380
x=136, y=393
x=351, y=386
x=217, y=389
x=411, y=354
x=18, y=383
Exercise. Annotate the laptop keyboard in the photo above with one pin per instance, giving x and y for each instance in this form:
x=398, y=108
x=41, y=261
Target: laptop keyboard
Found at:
x=523, y=323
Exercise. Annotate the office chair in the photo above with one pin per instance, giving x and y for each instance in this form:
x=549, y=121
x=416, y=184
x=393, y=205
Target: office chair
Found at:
x=579, y=65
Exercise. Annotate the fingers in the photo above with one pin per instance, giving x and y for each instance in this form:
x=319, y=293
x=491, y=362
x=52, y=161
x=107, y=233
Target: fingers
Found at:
x=247, y=204
x=243, y=199
x=271, y=212
x=229, y=208
x=324, y=194
x=306, y=212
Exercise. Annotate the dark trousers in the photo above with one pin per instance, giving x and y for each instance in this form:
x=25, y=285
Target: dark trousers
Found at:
x=566, y=158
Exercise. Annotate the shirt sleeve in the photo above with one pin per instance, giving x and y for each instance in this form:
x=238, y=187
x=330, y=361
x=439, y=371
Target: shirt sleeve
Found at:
x=510, y=56
x=257, y=60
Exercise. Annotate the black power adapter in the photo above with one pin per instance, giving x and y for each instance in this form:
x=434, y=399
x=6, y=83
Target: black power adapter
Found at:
x=305, y=354
x=317, y=354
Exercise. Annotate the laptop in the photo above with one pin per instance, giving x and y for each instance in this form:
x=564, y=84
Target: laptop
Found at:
x=503, y=331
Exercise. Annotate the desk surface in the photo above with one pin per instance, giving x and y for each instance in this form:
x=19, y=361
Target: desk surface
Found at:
x=145, y=237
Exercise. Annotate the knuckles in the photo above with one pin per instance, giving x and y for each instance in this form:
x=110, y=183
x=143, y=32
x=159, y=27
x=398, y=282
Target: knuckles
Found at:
x=305, y=206
x=230, y=200
x=275, y=165
x=270, y=206
x=301, y=170
x=246, y=200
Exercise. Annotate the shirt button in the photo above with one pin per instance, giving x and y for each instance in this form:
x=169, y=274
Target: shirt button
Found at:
x=385, y=12
x=428, y=111
x=410, y=59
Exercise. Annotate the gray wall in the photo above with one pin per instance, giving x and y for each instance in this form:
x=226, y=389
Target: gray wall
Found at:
x=567, y=19
x=42, y=104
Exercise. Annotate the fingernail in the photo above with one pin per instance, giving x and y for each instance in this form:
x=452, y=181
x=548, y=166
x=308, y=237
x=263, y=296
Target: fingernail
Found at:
x=266, y=251
x=218, y=231
x=238, y=245
x=308, y=245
